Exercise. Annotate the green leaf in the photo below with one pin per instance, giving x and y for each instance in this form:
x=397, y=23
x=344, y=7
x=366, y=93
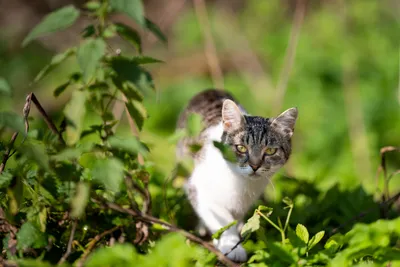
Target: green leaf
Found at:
x=226, y=151
x=302, y=233
x=55, y=21
x=92, y=5
x=109, y=172
x=75, y=112
x=218, y=233
x=252, y=225
x=117, y=255
x=137, y=112
x=5, y=88
x=13, y=121
x=80, y=200
x=146, y=60
x=127, y=70
x=30, y=237
x=89, y=55
x=267, y=211
x=194, y=124
x=61, y=88
x=287, y=201
x=5, y=179
x=129, y=35
x=133, y=8
x=55, y=61
x=36, y=152
x=130, y=144
x=156, y=30
x=315, y=239
x=282, y=252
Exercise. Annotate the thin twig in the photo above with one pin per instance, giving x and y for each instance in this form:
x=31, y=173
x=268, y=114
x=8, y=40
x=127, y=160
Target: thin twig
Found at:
x=47, y=119
x=169, y=227
x=290, y=54
x=69, y=247
x=93, y=242
x=210, y=50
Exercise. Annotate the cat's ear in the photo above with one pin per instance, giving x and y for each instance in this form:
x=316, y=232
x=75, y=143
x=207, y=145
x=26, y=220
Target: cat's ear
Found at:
x=232, y=118
x=285, y=122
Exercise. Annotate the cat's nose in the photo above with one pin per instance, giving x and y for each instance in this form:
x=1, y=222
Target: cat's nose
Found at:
x=254, y=167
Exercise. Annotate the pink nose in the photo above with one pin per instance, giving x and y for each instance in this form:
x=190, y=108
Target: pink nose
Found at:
x=254, y=167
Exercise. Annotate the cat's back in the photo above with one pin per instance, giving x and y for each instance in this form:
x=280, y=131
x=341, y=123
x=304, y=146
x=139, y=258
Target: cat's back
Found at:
x=208, y=104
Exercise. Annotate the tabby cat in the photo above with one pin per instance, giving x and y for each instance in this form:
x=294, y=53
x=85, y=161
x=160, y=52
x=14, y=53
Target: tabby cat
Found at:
x=220, y=190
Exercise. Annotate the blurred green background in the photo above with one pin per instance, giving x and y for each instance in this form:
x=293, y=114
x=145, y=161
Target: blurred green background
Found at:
x=337, y=61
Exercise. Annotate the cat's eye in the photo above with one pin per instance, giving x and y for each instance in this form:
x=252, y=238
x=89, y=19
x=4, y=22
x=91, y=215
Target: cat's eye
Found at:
x=241, y=149
x=270, y=151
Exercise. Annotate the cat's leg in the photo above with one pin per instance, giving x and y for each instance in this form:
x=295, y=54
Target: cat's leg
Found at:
x=215, y=218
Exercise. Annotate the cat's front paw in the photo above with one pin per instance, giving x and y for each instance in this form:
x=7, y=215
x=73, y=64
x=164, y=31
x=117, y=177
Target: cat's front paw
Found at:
x=238, y=254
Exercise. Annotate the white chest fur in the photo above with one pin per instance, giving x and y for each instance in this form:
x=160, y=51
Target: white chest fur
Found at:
x=218, y=186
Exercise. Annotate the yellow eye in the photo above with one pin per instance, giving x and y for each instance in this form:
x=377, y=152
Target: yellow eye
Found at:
x=270, y=151
x=241, y=149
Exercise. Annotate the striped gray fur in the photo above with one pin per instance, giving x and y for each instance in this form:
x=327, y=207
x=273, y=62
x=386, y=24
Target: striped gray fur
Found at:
x=255, y=133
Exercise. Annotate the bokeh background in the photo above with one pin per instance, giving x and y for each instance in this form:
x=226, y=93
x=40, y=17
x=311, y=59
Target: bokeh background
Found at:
x=336, y=60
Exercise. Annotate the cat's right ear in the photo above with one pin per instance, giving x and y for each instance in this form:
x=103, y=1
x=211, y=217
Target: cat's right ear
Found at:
x=232, y=118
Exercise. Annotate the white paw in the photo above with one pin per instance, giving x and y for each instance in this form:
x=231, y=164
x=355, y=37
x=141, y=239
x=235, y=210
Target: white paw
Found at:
x=238, y=254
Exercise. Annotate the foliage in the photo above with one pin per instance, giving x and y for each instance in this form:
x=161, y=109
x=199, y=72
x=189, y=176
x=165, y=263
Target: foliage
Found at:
x=101, y=197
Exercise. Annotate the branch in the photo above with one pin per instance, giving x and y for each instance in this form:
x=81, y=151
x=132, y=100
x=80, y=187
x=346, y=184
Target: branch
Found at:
x=169, y=227
x=93, y=242
x=69, y=247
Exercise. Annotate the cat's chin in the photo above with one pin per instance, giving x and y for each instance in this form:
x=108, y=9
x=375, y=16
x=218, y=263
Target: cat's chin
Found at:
x=254, y=176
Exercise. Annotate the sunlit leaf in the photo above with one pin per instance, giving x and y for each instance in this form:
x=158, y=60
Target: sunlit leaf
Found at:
x=30, y=237
x=218, y=233
x=287, y=201
x=53, y=22
x=194, y=124
x=117, y=255
x=55, y=61
x=75, y=112
x=80, y=200
x=252, y=225
x=109, y=172
x=226, y=151
x=5, y=88
x=89, y=55
x=267, y=211
x=315, y=239
x=133, y=8
x=302, y=233
x=129, y=35
x=93, y=5
x=137, y=111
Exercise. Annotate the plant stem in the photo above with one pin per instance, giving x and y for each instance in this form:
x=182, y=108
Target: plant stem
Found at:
x=273, y=224
x=288, y=217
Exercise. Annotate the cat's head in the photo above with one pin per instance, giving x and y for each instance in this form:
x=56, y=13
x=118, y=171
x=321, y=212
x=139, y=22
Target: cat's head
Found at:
x=261, y=145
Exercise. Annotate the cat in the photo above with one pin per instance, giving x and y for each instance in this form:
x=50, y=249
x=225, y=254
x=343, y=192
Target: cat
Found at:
x=220, y=190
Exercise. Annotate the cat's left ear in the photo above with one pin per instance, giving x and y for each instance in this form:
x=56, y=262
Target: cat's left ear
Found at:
x=232, y=118
x=285, y=122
